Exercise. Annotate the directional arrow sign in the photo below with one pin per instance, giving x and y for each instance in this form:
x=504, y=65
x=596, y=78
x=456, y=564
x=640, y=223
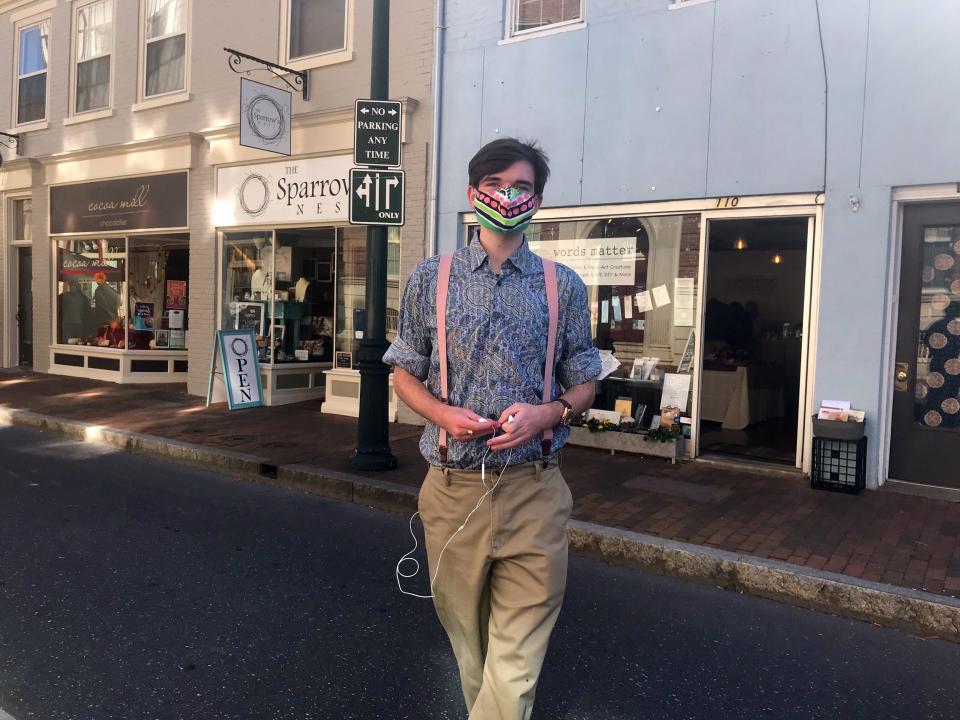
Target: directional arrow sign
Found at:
x=376, y=196
x=376, y=136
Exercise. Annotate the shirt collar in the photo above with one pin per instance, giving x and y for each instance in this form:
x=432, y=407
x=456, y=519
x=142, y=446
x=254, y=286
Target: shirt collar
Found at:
x=522, y=258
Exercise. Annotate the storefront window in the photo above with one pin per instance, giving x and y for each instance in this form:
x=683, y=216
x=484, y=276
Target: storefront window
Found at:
x=91, y=287
x=304, y=295
x=303, y=291
x=157, y=293
x=641, y=278
x=248, y=286
x=351, y=287
x=124, y=293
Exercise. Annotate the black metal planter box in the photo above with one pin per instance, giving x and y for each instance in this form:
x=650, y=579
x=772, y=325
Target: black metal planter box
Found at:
x=839, y=464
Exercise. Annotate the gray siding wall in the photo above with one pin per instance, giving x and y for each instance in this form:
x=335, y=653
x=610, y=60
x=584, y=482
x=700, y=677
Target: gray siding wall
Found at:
x=727, y=98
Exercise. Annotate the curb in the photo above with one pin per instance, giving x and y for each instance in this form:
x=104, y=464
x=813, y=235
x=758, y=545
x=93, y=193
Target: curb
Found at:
x=921, y=613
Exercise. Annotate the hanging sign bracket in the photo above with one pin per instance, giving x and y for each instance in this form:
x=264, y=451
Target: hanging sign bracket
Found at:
x=300, y=81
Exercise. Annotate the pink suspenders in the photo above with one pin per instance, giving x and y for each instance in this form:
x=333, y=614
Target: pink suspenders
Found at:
x=443, y=285
x=553, y=303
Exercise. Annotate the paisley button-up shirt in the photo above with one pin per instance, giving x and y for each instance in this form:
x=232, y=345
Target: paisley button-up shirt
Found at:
x=496, y=344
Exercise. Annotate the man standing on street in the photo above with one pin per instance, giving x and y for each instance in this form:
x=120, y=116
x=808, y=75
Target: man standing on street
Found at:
x=498, y=580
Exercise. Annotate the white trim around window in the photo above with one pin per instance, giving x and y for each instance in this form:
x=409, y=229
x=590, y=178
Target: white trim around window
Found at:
x=74, y=115
x=166, y=96
x=323, y=59
x=30, y=9
x=513, y=20
x=42, y=21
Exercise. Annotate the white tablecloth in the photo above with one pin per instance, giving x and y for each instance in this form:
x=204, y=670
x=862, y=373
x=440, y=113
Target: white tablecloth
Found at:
x=740, y=398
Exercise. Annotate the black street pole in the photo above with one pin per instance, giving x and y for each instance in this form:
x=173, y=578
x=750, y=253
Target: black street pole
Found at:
x=373, y=433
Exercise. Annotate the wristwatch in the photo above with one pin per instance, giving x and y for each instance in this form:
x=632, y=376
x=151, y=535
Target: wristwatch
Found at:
x=567, y=412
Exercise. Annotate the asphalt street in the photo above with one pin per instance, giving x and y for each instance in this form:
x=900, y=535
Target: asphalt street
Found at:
x=132, y=588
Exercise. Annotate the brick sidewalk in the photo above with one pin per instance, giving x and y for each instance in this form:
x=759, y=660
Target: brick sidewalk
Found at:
x=882, y=536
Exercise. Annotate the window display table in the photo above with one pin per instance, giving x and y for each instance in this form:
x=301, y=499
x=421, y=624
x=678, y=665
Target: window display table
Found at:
x=741, y=397
x=120, y=366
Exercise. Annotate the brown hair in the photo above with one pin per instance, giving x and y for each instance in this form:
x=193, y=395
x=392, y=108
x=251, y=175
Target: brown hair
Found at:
x=500, y=154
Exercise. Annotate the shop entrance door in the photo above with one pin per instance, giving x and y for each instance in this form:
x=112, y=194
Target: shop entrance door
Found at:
x=925, y=428
x=25, y=307
x=753, y=338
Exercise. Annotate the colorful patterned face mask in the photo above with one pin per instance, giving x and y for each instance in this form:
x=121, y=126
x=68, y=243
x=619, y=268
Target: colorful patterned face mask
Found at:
x=508, y=210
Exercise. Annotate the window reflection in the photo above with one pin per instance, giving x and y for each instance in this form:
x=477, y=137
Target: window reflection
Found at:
x=91, y=287
x=626, y=263
x=351, y=287
x=157, y=293
x=247, y=285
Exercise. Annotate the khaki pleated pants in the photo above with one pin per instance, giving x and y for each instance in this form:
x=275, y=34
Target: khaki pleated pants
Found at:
x=500, y=582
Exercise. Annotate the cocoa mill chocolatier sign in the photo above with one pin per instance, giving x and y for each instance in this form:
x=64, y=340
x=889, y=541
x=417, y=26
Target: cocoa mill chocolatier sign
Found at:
x=147, y=202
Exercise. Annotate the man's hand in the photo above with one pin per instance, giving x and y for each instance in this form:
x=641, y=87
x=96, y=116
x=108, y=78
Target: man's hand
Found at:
x=463, y=424
x=528, y=422
x=455, y=420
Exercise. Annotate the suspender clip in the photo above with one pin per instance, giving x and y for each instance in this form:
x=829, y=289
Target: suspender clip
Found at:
x=545, y=451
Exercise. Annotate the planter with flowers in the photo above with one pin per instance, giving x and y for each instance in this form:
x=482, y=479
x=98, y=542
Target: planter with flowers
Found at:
x=665, y=442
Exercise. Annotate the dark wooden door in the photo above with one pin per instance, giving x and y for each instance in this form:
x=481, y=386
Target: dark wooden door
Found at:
x=25, y=307
x=925, y=432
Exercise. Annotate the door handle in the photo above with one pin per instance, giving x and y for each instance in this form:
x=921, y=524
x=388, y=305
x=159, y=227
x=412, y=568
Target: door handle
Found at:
x=901, y=377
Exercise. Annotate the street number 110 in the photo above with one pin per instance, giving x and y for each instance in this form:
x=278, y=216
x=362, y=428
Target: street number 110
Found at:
x=725, y=202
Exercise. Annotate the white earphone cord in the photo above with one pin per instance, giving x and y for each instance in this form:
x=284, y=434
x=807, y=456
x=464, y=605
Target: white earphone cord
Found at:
x=436, y=572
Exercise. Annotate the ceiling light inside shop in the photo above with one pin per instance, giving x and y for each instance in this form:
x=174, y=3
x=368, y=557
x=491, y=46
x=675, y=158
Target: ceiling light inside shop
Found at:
x=776, y=259
x=740, y=244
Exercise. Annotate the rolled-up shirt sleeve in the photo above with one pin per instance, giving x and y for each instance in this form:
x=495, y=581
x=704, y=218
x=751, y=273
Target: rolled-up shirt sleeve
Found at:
x=579, y=360
x=412, y=346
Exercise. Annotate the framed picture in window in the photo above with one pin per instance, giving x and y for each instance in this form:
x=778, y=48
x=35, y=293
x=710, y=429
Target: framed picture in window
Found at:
x=161, y=339
x=250, y=316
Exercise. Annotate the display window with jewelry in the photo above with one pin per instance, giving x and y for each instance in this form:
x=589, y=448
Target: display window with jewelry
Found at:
x=302, y=291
